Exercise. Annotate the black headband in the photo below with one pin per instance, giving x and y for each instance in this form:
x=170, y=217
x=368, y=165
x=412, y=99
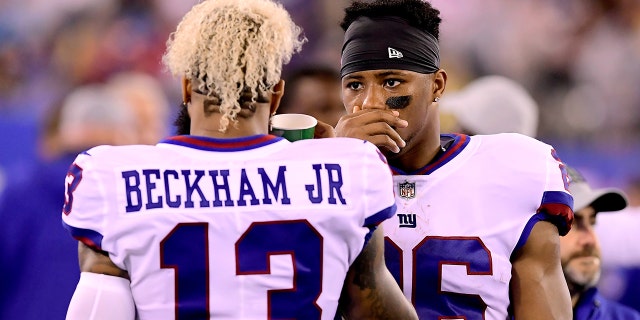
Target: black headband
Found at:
x=388, y=43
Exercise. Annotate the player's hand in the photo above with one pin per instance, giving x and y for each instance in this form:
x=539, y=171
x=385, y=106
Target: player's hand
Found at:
x=374, y=125
x=323, y=130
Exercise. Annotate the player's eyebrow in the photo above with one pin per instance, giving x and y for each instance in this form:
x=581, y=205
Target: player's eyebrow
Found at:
x=353, y=77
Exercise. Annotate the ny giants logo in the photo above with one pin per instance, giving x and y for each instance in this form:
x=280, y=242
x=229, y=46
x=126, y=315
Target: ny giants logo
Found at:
x=407, y=220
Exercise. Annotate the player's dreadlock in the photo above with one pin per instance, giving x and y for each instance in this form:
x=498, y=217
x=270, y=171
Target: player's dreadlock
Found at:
x=224, y=64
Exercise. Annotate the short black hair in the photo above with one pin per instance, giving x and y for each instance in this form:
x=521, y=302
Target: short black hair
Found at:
x=183, y=121
x=418, y=13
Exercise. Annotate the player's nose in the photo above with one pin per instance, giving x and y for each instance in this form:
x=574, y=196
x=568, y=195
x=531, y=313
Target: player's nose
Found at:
x=374, y=98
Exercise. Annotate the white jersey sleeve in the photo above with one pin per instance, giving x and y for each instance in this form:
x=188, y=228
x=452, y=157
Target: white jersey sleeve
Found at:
x=556, y=201
x=86, y=204
x=378, y=187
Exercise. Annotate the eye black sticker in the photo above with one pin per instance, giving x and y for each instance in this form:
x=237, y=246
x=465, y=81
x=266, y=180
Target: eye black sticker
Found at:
x=400, y=102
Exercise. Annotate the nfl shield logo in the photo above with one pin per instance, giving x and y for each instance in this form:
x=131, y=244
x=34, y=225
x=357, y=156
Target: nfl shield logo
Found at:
x=408, y=190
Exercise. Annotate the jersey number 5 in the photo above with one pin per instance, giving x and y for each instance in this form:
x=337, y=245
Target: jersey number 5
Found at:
x=185, y=249
x=429, y=256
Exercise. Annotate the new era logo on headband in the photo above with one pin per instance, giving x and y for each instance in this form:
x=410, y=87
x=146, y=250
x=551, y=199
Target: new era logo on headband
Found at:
x=393, y=53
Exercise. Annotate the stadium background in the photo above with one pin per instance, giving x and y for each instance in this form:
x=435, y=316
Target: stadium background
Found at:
x=580, y=59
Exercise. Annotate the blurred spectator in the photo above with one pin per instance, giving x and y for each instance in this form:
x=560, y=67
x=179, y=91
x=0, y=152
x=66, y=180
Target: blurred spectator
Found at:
x=146, y=98
x=314, y=90
x=92, y=45
x=151, y=105
x=489, y=105
x=633, y=191
x=93, y=114
x=12, y=71
x=48, y=138
x=619, y=233
x=39, y=259
x=581, y=253
x=621, y=250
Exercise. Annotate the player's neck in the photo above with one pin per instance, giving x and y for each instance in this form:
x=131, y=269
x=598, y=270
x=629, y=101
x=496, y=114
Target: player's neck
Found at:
x=246, y=126
x=421, y=149
x=417, y=157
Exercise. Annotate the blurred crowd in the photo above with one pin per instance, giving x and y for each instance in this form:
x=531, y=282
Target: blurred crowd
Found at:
x=49, y=49
x=579, y=60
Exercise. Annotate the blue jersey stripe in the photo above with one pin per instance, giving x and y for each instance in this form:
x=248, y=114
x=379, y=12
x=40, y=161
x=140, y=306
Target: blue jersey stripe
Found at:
x=558, y=205
x=89, y=237
x=555, y=208
x=460, y=141
x=382, y=215
x=223, y=145
x=557, y=197
x=527, y=231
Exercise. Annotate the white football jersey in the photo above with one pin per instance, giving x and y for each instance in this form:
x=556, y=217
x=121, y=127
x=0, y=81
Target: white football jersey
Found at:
x=460, y=219
x=249, y=228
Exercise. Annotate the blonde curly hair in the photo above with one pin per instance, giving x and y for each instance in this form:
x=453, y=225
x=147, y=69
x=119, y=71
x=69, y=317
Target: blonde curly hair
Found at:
x=226, y=47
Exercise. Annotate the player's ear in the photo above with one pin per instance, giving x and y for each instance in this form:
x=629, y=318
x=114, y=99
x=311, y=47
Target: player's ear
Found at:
x=439, y=83
x=276, y=96
x=186, y=90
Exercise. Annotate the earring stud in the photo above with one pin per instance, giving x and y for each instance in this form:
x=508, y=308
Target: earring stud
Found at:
x=436, y=99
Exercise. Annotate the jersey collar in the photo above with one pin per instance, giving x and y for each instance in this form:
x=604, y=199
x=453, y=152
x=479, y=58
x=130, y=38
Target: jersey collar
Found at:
x=222, y=145
x=456, y=143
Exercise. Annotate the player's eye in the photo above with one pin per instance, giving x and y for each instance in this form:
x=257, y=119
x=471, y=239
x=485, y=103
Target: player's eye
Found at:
x=392, y=83
x=354, y=85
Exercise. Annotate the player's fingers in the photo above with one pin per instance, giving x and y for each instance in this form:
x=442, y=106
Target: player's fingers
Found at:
x=385, y=141
x=385, y=136
x=378, y=133
x=368, y=116
x=395, y=120
x=323, y=130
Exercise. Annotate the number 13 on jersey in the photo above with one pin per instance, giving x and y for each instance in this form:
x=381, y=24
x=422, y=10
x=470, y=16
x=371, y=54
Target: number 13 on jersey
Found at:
x=185, y=250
